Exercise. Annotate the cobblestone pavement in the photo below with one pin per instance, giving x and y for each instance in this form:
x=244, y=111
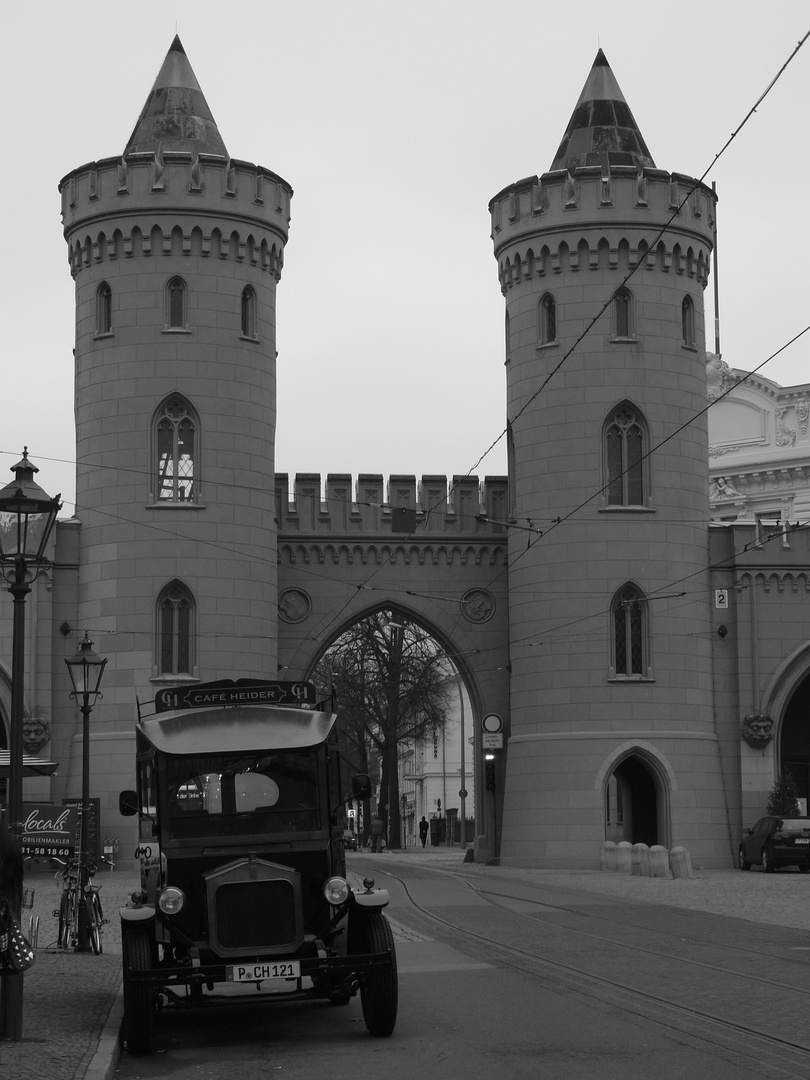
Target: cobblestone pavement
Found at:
x=72, y=1004
x=780, y=899
x=68, y=997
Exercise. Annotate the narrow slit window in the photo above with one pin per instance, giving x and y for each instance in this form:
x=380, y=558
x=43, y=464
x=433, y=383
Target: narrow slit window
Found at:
x=622, y=314
x=548, y=320
x=249, y=312
x=104, y=309
x=688, y=321
x=176, y=304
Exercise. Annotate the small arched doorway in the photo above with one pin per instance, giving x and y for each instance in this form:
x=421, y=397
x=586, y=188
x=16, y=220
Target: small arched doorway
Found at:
x=794, y=743
x=632, y=797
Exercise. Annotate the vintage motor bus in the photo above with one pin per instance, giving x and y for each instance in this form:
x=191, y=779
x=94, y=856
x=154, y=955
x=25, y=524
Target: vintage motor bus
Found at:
x=244, y=896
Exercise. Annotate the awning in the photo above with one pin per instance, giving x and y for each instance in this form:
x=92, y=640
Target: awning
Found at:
x=32, y=766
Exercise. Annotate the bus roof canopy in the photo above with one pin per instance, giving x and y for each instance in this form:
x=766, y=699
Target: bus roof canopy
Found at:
x=244, y=727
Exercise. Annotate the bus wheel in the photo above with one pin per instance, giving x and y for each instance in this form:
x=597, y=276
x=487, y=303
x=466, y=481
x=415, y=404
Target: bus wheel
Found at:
x=379, y=991
x=139, y=1000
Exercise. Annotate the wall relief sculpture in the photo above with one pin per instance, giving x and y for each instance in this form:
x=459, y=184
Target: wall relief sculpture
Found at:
x=757, y=730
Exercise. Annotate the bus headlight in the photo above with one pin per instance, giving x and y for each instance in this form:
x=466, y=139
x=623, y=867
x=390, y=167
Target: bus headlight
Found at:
x=171, y=900
x=336, y=891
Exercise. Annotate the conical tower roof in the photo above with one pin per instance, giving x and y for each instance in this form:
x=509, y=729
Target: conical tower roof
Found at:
x=602, y=130
x=176, y=115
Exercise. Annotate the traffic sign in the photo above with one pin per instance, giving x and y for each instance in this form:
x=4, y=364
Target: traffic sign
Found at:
x=492, y=723
x=492, y=740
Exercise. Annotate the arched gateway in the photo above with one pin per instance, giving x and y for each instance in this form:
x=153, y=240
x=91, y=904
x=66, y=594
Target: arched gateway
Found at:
x=595, y=623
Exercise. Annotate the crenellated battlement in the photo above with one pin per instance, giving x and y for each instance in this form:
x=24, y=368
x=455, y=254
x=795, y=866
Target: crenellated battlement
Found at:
x=203, y=204
x=466, y=508
x=537, y=223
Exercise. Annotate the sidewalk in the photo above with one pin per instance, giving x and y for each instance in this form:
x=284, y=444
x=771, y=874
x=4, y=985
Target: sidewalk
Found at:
x=73, y=1006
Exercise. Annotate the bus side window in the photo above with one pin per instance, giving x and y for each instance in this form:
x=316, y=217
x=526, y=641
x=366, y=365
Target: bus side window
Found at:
x=148, y=815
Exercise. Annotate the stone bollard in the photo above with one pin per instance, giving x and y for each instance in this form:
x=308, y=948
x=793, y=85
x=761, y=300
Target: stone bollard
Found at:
x=624, y=857
x=607, y=856
x=641, y=860
x=659, y=861
x=680, y=863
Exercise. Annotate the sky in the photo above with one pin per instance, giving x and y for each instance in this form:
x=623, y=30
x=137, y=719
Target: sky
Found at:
x=396, y=123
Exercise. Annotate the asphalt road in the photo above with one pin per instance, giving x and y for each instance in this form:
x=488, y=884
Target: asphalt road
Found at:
x=521, y=979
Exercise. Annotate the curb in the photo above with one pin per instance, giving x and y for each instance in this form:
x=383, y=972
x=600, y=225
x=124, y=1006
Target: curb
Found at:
x=108, y=1054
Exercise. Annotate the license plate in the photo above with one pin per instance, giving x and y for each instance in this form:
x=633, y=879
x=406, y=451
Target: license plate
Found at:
x=253, y=973
x=802, y=840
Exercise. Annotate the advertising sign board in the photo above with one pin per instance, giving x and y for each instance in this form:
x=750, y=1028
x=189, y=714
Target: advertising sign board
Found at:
x=49, y=830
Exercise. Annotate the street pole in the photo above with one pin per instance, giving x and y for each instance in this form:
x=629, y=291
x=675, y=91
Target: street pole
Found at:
x=11, y=999
x=83, y=935
x=463, y=791
x=85, y=670
x=27, y=518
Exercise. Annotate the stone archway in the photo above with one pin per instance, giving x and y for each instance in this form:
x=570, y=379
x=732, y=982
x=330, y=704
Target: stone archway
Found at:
x=786, y=700
x=636, y=798
x=395, y=656
x=794, y=740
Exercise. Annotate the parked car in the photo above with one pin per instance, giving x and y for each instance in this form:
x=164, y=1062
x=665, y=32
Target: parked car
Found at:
x=350, y=840
x=775, y=842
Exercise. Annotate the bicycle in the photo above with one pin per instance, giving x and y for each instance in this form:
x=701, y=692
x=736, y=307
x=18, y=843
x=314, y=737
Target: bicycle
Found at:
x=73, y=896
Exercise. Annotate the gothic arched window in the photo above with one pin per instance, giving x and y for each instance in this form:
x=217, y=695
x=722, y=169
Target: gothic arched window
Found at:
x=176, y=304
x=249, y=313
x=176, y=452
x=104, y=309
x=547, y=312
x=629, y=617
x=624, y=458
x=174, y=648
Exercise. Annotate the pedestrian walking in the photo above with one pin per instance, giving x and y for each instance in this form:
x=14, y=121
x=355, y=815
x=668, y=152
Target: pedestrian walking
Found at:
x=377, y=833
x=424, y=829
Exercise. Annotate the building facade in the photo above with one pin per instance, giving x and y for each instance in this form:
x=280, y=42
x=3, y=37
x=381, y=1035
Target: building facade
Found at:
x=631, y=642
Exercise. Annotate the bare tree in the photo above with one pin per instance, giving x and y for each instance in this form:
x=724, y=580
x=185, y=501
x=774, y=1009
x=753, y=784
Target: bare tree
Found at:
x=390, y=685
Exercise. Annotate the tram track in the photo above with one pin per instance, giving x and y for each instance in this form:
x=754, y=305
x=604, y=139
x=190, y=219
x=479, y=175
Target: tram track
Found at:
x=778, y=1054
x=792, y=987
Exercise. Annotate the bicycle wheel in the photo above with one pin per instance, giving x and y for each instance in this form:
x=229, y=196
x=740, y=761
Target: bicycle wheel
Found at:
x=66, y=906
x=93, y=923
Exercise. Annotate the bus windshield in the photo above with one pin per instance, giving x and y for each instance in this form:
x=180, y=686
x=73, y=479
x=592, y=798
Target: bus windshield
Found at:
x=243, y=794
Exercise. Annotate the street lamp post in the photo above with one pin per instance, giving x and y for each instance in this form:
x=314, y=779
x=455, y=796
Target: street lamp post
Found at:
x=463, y=791
x=85, y=670
x=27, y=517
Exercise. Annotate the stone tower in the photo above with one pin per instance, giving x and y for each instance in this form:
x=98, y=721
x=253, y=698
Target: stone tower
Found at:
x=176, y=250
x=603, y=261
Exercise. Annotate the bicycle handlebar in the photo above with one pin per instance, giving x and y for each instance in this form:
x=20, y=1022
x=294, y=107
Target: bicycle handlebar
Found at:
x=75, y=864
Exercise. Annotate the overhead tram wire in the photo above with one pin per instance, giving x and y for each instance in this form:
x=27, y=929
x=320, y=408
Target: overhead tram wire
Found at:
x=661, y=232
x=556, y=522
x=574, y=346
